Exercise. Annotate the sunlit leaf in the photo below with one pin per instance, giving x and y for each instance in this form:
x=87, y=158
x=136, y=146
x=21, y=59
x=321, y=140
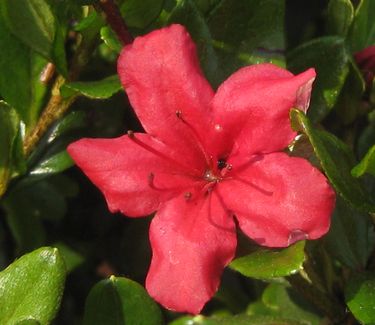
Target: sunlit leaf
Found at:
x=31, y=288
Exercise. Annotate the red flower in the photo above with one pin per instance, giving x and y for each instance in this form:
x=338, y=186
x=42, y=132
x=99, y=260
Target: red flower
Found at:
x=206, y=160
x=366, y=62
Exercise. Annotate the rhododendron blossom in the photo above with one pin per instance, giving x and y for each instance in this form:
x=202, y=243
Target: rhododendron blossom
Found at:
x=206, y=160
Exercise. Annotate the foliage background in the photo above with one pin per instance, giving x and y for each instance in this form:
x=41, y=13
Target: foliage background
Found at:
x=45, y=201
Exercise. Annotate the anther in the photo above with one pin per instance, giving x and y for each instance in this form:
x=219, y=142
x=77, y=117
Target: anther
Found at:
x=131, y=134
x=187, y=196
x=179, y=114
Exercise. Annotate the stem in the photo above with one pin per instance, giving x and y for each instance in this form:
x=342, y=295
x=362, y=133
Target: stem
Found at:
x=114, y=19
x=55, y=109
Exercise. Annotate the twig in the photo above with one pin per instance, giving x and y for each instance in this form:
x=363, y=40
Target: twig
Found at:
x=114, y=19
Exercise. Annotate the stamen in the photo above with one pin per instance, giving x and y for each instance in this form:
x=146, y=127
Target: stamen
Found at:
x=265, y=192
x=197, y=138
x=159, y=154
x=188, y=196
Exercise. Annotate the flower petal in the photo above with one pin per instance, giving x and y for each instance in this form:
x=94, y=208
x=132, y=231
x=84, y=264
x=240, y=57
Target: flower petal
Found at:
x=279, y=199
x=134, y=180
x=253, y=106
x=192, y=241
x=161, y=75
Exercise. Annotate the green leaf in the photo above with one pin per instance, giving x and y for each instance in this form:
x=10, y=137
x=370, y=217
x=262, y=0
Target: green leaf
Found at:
x=367, y=164
x=243, y=34
x=340, y=15
x=32, y=22
x=351, y=237
x=336, y=160
x=267, y=263
x=350, y=96
x=19, y=81
x=188, y=15
x=53, y=165
x=9, y=126
x=32, y=287
x=119, y=301
x=140, y=14
x=281, y=301
x=26, y=206
x=101, y=89
x=329, y=58
x=240, y=319
x=360, y=297
x=71, y=258
x=362, y=32
x=110, y=39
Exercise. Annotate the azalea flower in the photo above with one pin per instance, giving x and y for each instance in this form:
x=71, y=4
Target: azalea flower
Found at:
x=207, y=163
x=366, y=62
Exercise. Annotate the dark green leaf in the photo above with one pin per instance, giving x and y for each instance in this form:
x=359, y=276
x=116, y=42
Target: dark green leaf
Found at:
x=351, y=237
x=53, y=165
x=281, y=301
x=140, y=14
x=119, y=301
x=350, y=96
x=32, y=22
x=26, y=206
x=331, y=61
x=235, y=320
x=336, y=160
x=101, y=89
x=243, y=34
x=367, y=164
x=267, y=263
x=188, y=15
x=71, y=258
x=110, y=39
x=362, y=32
x=28, y=322
x=339, y=17
x=360, y=297
x=19, y=78
x=8, y=132
x=32, y=287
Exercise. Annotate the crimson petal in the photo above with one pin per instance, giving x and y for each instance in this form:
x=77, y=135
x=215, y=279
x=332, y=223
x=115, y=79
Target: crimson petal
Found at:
x=165, y=85
x=279, y=199
x=134, y=180
x=253, y=106
x=192, y=241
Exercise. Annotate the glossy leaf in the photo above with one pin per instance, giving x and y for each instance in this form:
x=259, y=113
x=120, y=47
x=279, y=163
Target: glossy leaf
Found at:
x=33, y=22
x=336, y=160
x=19, y=82
x=282, y=301
x=110, y=39
x=331, y=61
x=187, y=14
x=362, y=32
x=267, y=263
x=140, y=14
x=119, y=301
x=340, y=15
x=54, y=164
x=71, y=258
x=8, y=132
x=101, y=89
x=32, y=287
x=367, y=164
x=360, y=297
x=243, y=34
x=351, y=237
